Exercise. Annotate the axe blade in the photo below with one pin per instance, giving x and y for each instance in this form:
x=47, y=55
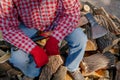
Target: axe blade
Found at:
x=98, y=31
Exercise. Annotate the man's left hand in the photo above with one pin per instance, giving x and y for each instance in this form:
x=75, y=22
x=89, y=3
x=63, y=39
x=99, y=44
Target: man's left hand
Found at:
x=51, y=46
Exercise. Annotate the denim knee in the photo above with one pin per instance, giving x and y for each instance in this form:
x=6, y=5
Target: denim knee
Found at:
x=22, y=61
x=77, y=43
x=18, y=58
x=76, y=38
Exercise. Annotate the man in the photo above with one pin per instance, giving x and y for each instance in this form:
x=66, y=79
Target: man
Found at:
x=21, y=19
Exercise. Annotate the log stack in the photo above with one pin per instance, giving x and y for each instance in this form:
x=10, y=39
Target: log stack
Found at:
x=101, y=60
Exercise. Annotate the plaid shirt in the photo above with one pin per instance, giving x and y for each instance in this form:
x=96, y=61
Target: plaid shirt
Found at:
x=38, y=14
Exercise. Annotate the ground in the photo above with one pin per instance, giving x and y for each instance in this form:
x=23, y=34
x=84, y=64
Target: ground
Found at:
x=111, y=6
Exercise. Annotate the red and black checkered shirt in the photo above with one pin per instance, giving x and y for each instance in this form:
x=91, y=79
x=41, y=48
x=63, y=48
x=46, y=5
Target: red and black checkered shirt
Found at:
x=38, y=14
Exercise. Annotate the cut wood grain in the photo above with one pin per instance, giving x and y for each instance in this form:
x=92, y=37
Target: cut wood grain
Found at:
x=118, y=71
x=93, y=63
x=49, y=69
x=91, y=46
x=60, y=74
x=83, y=20
x=105, y=41
x=4, y=56
x=112, y=26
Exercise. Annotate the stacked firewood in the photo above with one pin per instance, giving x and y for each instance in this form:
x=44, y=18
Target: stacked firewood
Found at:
x=101, y=60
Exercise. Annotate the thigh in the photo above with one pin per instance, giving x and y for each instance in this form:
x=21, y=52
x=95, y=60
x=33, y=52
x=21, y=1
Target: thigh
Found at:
x=76, y=37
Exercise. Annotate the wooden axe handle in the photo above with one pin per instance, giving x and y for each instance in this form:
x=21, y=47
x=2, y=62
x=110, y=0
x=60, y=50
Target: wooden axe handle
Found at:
x=83, y=20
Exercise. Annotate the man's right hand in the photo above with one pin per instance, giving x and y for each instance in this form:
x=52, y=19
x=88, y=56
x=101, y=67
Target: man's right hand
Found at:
x=40, y=57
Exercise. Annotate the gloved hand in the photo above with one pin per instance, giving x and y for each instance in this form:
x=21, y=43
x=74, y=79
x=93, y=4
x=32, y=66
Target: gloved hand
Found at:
x=39, y=55
x=51, y=46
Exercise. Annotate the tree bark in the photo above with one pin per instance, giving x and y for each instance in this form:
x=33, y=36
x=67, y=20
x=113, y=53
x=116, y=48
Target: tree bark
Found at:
x=49, y=69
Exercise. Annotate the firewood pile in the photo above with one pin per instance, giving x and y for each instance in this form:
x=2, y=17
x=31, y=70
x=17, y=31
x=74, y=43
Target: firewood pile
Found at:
x=102, y=55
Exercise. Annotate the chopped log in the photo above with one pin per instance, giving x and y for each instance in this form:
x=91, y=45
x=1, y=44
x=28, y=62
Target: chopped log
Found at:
x=4, y=45
x=81, y=5
x=83, y=13
x=41, y=42
x=86, y=8
x=83, y=20
x=114, y=47
x=49, y=69
x=1, y=38
x=112, y=59
x=91, y=46
x=118, y=71
x=101, y=20
x=115, y=19
x=68, y=77
x=105, y=41
x=60, y=74
x=92, y=7
x=93, y=63
x=14, y=72
x=4, y=56
x=102, y=73
x=5, y=77
x=112, y=26
x=5, y=67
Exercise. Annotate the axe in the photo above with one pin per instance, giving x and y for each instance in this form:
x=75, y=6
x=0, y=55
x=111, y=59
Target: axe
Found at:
x=96, y=29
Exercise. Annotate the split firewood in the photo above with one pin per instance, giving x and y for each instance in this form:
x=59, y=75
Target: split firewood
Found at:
x=102, y=21
x=91, y=46
x=114, y=18
x=90, y=7
x=105, y=41
x=93, y=63
x=1, y=38
x=103, y=74
x=81, y=5
x=49, y=69
x=83, y=20
x=86, y=8
x=117, y=71
x=68, y=77
x=4, y=45
x=112, y=59
x=10, y=71
x=41, y=42
x=5, y=67
x=60, y=74
x=4, y=56
x=114, y=47
x=112, y=26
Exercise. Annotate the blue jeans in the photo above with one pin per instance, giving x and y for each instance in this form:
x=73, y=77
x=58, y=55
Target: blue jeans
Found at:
x=23, y=60
x=76, y=41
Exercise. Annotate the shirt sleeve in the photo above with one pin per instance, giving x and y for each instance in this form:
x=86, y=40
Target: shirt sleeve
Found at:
x=68, y=19
x=9, y=24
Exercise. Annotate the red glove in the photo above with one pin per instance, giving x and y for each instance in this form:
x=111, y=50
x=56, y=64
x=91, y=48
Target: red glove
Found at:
x=39, y=56
x=51, y=46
